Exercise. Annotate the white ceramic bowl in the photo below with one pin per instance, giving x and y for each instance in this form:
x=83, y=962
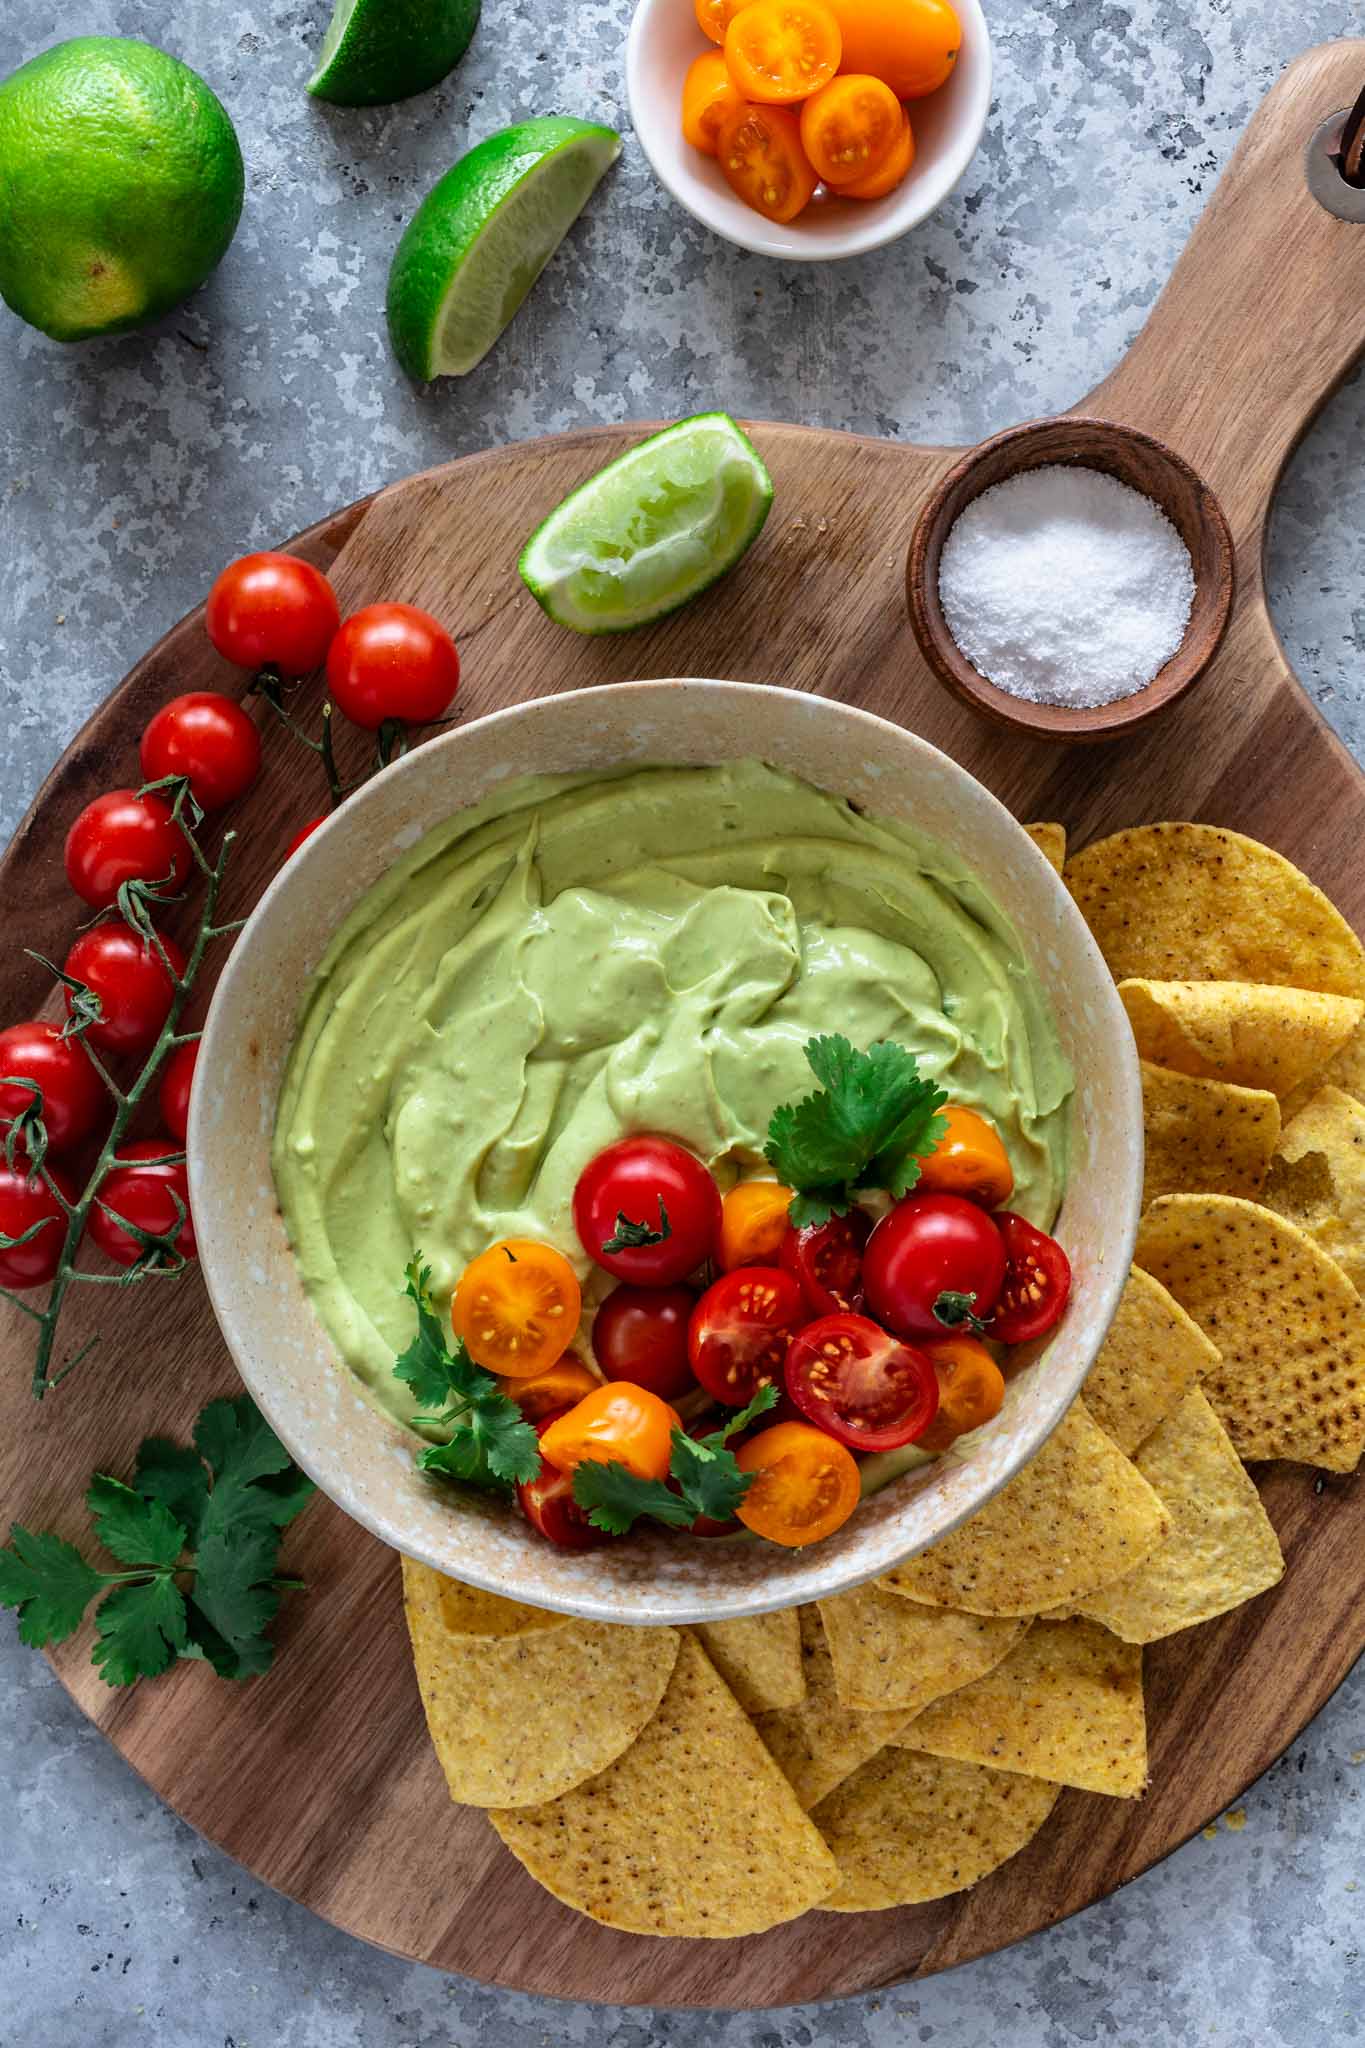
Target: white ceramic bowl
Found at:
x=363, y=1458
x=664, y=38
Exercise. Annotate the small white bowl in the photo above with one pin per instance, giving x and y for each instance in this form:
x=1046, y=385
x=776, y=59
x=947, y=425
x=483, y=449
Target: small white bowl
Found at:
x=365, y=1459
x=664, y=38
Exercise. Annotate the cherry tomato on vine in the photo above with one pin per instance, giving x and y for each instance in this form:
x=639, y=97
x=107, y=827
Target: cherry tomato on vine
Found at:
x=123, y=837
x=753, y=1223
x=971, y=1390
x=73, y=1095
x=549, y=1506
x=868, y=1390
x=208, y=738
x=392, y=661
x=738, y=1336
x=618, y=1424
x=517, y=1307
x=24, y=1203
x=969, y=1161
x=826, y=1260
x=177, y=1078
x=143, y=1187
x=640, y=1334
x=807, y=1484
x=135, y=992
x=304, y=832
x=273, y=611
x=646, y=1210
x=1036, y=1285
x=926, y=1247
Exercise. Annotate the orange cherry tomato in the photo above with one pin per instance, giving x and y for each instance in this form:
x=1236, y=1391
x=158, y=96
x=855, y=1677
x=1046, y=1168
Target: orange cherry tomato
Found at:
x=850, y=127
x=708, y=92
x=567, y=1381
x=970, y=1161
x=782, y=50
x=618, y=1424
x=753, y=1223
x=911, y=44
x=715, y=16
x=517, y=1307
x=890, y=172
x=807, y=1484
x=971, y=1388
x=759, y=152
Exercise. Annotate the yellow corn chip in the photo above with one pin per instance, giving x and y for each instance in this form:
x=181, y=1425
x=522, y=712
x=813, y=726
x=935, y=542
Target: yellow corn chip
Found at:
x=1078, y=1516
x=1065, y=1705
x=888, y=1654
x=1289, y=1326
x=517, y=1719
x=1051, y=840
x=759, y=1658
x=909, y=1827
x=818, y=1743
x=1221, y=1550
x=1246, y=1032
x=1317, y=1178
x=1204, y=1137
x=1152, y=1354
x=693, y=1831
x=1199, y=903
x=468, y=1611
x=1346, y=1070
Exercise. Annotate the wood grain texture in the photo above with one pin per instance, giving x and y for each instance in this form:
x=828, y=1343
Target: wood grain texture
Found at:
x=320, y=1779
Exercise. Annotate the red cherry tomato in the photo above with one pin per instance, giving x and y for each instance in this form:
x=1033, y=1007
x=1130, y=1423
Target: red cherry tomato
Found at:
x=304, y=832
x=928, y=1246
x=647, y=1188
x=24, y=1202
x=210, y=739
x=124, y=837
x=549, y=1506
x=860, y=1385
x=177, y=1079
x=73, y=1095
x=738, y=1336
x=1036, y=1285
x=134, y=989
x=826, y=1259
x=272, y=611
x=143, y=1190
x=392, y=661
x=640, y=1334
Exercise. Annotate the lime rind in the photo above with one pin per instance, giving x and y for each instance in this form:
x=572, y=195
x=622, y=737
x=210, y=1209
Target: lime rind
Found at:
x=378, y=51
x=652, y=530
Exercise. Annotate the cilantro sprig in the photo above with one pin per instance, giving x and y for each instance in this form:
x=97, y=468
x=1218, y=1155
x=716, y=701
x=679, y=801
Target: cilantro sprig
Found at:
x=869, y=1124
x=199, y=1532
x=703, y=1469
x=490, y=1444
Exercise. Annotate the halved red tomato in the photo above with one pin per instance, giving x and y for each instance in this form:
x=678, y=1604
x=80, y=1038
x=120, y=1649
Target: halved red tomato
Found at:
x=1037, y=1282
x=737, y=1338
x=826, y=1260
x=549, y=1506
x=860, y=1385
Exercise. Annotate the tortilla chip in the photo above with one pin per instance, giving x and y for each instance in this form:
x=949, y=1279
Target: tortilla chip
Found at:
x=1204, y=1137
x=1152, y=1354
x=888, y=1653
x=693, y=1831
x=1051, y=840
x=1199, y=903
x=909, y=1827
x=1249, y=1033
x=1317, y=1178
x=1065, y=1706
x=1222, y=1549
x=1290, y=1328
x=820, y=1742
x=1345, y=1070
x=518, y=1719
x=1078, y=1516
x=468, y=1611
x=759, y=1658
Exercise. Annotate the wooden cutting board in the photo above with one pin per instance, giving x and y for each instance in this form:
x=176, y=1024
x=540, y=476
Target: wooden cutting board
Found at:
x=320, y=1778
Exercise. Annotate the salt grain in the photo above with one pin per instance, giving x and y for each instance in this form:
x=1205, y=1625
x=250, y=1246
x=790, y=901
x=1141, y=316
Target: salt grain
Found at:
x=1065, y=586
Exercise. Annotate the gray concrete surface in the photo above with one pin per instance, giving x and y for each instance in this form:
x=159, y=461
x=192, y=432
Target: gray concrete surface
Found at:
x=131, y=470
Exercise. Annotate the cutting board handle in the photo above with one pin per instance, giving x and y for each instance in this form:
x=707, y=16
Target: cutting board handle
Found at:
x=1265, y=311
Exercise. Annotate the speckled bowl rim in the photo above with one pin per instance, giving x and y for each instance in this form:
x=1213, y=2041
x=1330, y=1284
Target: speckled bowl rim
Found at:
x=364, y=1459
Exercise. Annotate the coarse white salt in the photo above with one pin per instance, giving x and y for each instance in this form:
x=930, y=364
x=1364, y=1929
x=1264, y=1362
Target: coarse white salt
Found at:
x=1064, y=586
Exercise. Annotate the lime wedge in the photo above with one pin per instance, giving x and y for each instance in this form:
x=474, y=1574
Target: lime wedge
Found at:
x=375, y=51
x=482, y=236
x=652, y=530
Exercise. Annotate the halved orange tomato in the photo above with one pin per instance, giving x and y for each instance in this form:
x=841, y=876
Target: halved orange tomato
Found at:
x=890, y=172
x=971, y=1389
x=969, y=1161
x=753, y=1223
x=850, y=127
x=715, y=16
x=567, y=1381
x=516, y=1307
x=708, y=93
x=782, y=50
x=807, y=1484
x=911, y=44
x=618, y=1424
x=759, y=151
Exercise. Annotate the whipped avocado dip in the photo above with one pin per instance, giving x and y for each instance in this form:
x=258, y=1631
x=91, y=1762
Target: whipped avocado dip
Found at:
x=582, y=957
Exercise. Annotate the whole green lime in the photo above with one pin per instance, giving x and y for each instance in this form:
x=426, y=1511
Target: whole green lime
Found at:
x=121, y=186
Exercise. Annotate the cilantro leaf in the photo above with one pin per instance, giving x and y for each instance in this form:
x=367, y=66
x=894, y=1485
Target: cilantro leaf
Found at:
x=137, y=1531
x=872, y=1121
x=615, y=1498
x=49, y=1582
x=173, y=1474
x=139, y=1631
x=425, y=1365
x=237, y=1443
x=232, y=1591
x=491, y=1443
